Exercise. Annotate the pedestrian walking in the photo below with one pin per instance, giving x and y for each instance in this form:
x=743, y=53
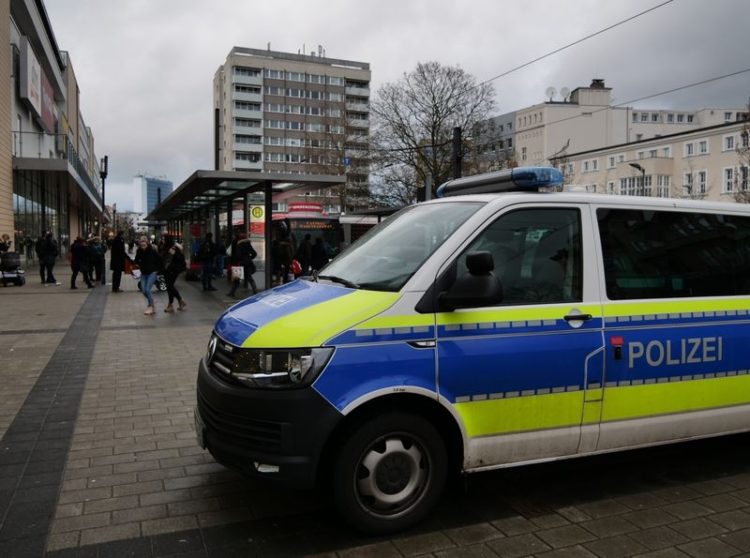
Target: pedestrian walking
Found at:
x=284, y=256
x=117, y=260
x=149, y=262
x=304, y=254
x=79, y=262
x=97, y=249
x=5, y=243
x=220, y=255
x=206, y=254
x=47, y=252
x=174, y=264
x=243, y=255
x=319, y=256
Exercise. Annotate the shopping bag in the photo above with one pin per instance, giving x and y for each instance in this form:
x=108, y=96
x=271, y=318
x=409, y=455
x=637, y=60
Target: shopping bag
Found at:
x=238, y=272
x=136, y=273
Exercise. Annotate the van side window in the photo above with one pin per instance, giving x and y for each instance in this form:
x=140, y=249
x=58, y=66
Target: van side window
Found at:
x=537, y=254
x=668, y=254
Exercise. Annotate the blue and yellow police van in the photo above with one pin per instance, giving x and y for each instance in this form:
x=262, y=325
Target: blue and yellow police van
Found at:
x=496, y=326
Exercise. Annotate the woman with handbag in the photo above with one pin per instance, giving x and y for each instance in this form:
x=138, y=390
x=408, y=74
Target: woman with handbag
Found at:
x=149, y=262
x=243, y=255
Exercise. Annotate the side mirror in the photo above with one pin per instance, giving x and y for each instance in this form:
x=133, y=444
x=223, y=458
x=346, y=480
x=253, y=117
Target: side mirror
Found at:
x=479, y=287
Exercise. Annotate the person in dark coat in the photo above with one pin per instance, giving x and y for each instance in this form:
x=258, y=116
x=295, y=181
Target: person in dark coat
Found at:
x=206, y=254
x=243, y=254
x=46, y=252
x=149, y=262
x=319, y=255
x=97, y=249
x=304, y=254
x=117, y=261
x=79, y=262
x=174, y=264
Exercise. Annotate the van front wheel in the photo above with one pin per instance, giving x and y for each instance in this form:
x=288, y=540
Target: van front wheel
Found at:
x=389, y=473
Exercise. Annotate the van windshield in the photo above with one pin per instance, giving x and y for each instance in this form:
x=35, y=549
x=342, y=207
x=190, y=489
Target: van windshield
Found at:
x=388, y=255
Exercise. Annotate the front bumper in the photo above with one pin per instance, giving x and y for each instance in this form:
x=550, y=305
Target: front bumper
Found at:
x=271, y=434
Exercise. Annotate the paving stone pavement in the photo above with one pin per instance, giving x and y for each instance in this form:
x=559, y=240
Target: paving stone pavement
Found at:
x=98, y=458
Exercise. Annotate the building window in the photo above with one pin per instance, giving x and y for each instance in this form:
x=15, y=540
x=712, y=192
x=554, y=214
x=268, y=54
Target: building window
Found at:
x=635, y=117
x=610, y=187
x=644, y=117
x=687, y=183
x=670, y=118
x=621, y=158
x=611, y=162
x=689, y=150
x=702, y=181
x=727, y=117
x=703, y=147
x=743, y=178
x=728, y=181
x=523, y=153
x=689, y=118
x=663, y=182
x=274, y=74
x=585, y=166
x=728, y=143
x=652, y=153
x=510, y=142
x=680, y=118
x=654, y=117
x=638, y=137
x=667, y=151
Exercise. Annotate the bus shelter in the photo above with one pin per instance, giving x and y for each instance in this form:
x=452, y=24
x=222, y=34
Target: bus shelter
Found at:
x=203, y=195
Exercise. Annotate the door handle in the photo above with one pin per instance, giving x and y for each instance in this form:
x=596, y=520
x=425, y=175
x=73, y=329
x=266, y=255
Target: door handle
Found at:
x=578, y=317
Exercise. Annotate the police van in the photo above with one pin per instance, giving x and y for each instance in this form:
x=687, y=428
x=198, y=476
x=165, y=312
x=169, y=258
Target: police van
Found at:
x=485, y=330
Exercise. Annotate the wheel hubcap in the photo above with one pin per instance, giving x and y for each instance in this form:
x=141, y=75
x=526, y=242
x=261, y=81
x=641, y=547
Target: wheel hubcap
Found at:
x=392, y=475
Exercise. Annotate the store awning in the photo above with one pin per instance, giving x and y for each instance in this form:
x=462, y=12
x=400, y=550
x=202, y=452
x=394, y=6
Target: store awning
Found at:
x=207, y=188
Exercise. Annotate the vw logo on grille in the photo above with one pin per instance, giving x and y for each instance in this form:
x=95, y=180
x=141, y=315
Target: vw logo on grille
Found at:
x=211, y=349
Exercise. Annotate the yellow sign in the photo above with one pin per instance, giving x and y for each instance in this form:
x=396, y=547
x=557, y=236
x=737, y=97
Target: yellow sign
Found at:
x=257, y=212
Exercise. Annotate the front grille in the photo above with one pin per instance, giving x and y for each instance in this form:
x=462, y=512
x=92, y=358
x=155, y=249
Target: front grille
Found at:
x=242, y=431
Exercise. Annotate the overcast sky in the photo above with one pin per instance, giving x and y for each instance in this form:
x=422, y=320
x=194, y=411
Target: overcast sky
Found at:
x=145, y=68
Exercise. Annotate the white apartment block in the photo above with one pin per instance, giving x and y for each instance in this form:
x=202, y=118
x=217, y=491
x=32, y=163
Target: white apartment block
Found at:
x=295, y=113
x=586, y=120
x=703, y=163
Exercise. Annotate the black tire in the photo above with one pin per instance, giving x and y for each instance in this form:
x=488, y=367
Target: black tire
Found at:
x=389, y=473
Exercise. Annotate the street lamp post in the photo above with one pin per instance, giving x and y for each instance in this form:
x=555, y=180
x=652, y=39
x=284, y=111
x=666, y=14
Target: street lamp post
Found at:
x=638, y=167
x=103, y=171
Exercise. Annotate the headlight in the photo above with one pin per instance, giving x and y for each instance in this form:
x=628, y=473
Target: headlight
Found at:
x=279, y=368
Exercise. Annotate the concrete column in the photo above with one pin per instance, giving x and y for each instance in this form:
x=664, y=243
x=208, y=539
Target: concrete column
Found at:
x=6, y=137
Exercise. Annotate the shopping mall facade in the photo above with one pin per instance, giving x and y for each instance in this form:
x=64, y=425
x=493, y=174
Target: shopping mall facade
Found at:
x=49, y=172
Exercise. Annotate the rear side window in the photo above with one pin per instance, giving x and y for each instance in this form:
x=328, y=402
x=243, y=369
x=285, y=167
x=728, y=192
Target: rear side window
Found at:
x=669, y=254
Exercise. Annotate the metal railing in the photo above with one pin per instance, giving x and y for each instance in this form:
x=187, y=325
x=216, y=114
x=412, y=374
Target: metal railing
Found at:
x=40, y=145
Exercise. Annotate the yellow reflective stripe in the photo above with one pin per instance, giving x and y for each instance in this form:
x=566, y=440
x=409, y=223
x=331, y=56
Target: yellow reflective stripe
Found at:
x=518, y=414
x=409, y=320
x=628, y=402
x=516, y=313
x=675, y=306
x=314, y=325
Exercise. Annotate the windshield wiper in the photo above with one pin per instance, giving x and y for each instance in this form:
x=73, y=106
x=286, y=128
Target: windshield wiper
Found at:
x=341, y=280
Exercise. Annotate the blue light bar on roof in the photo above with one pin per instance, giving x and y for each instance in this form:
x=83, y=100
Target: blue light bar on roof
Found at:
x=519, y=179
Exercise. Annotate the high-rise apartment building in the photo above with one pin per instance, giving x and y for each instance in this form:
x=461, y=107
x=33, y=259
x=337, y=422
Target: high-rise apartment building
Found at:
x=295, y=113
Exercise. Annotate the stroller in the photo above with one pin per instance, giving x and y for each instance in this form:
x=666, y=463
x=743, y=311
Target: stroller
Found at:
x=10, y=269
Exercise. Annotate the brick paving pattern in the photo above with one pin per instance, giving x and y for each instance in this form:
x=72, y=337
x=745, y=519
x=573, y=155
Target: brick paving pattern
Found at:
x=124, y=476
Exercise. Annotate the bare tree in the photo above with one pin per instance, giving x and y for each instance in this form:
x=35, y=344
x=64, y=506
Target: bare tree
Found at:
x=742, y=180
x=413, y=121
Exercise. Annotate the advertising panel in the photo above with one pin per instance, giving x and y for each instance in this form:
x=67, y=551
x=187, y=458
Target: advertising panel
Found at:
x=48, y=105
x=31, y=78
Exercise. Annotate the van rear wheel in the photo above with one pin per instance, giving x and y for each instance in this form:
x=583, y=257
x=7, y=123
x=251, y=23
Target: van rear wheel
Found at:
x=389, y=473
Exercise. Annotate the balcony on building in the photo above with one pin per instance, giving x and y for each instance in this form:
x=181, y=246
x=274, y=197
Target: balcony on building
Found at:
x=54, y=153
x=245, y=113
x=245, y=96
x=361, y=91
x=357, y=107
x=247, y=80
x=358, y=123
